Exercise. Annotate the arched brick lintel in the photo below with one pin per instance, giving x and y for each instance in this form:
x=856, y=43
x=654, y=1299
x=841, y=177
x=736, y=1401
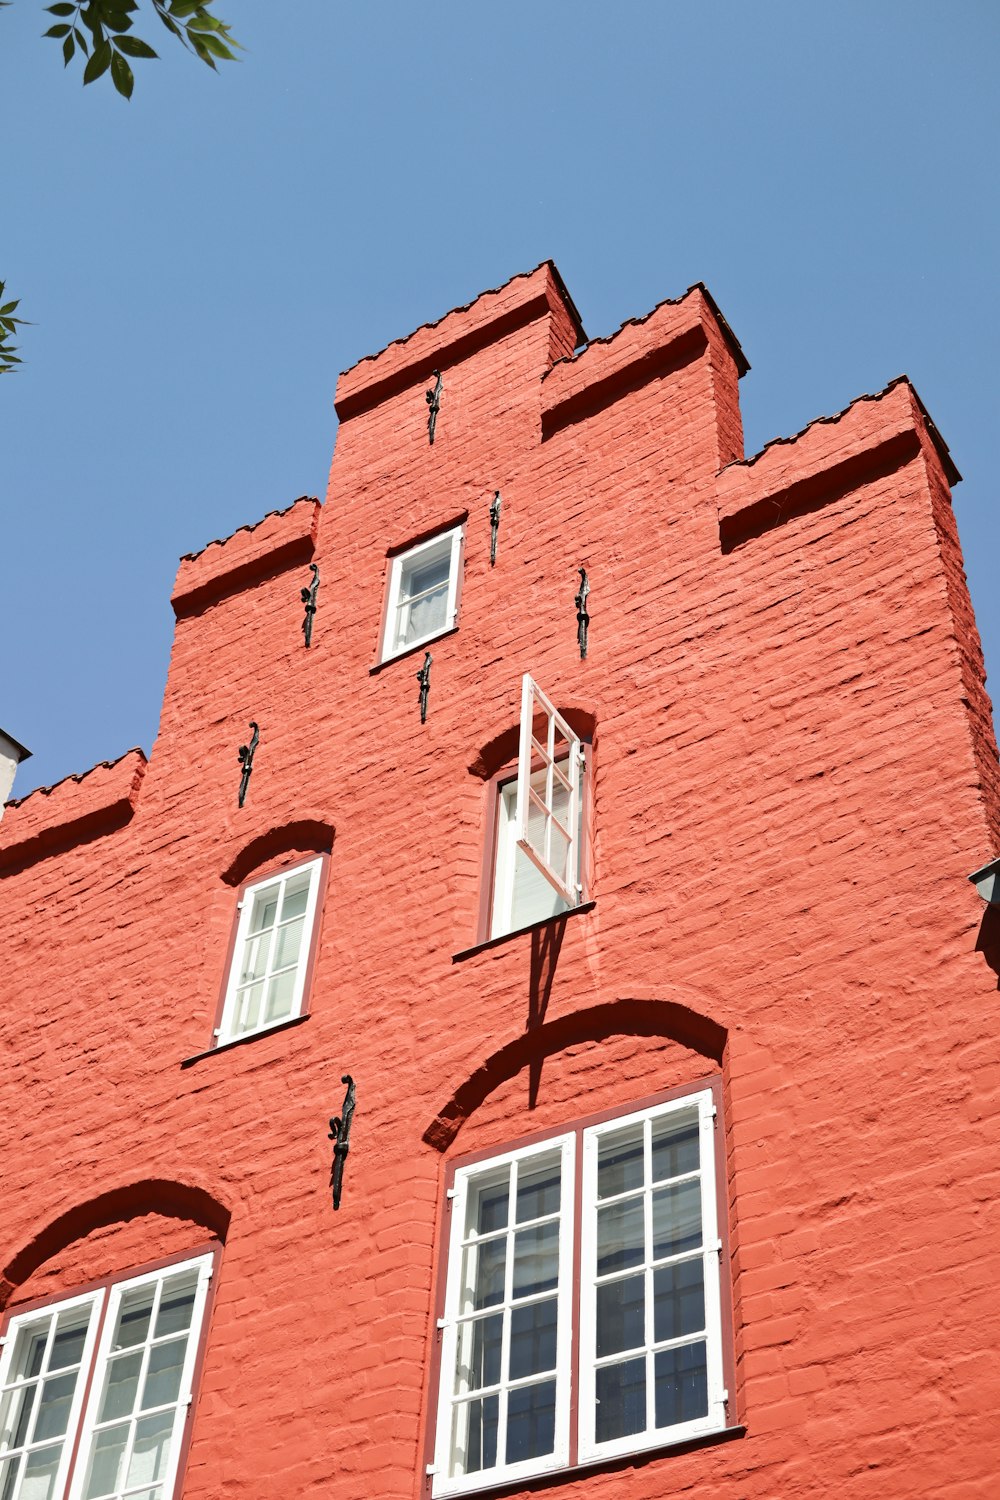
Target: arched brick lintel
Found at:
x=177, y=1200
x=302, y=835
x=663, y=1018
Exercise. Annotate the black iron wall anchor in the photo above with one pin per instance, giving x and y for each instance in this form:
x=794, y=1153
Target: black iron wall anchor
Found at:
x=340, y=1134
x=582, y=614
x=433, y=399
x=246, y=753
x=308, y=596
x=494, y=527
x=424, y=678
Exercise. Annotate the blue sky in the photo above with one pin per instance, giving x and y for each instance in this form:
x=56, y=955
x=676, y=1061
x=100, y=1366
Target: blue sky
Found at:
x=200, y=263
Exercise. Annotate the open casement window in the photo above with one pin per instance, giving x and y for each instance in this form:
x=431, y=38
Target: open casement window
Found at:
x=267, y=975
x=130, y=1348
x=537, y=871
x=547, y=816
x=423, y=592
x=639, y=1275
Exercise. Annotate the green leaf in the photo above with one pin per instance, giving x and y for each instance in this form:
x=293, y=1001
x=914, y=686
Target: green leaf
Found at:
x=121, y=76
x=135, y=47
x=184, y=8
x=68, y=50
x=215, y=45
x=8, y=307
x=81, y=40
x=60, y=10
x=99, y=63
x=57, y=30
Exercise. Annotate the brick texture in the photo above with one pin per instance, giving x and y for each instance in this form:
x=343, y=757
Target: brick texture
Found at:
x=793, y=773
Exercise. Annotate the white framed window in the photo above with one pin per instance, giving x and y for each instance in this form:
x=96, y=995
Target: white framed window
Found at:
x=423, y=592
x=271, y=952
x=640, y=1275
x=134, y=1344
x=538, y=844
x=503, y=1409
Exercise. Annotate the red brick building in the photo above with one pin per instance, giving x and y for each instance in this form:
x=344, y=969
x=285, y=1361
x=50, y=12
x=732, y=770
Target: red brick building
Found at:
x=655, y=968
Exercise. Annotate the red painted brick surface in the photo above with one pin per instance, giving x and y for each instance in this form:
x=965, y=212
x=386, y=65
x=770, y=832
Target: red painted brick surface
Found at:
x=794, y=770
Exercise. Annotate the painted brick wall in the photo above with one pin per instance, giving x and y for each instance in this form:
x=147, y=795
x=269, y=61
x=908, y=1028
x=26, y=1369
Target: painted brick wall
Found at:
x=794, y=771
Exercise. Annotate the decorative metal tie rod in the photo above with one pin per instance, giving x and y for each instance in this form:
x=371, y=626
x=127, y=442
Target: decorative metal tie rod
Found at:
x=582, y=614
x=340, y=1134
x=308, y=596
x=424, y=678
x=494, y=526
x=433, y=399
x=246, y=754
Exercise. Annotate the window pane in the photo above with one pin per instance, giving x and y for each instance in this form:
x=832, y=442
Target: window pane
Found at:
x=619, y=1161
x=428, y=573
x=28, y=1360
x=538, y=1183
x=533, y=1339
x=478, y=1361
x=39, y=1481
x=296, y=897
x=152, y=1448
x=531, y=1422
x=678, y=1300
x=163, y=1374
x=621, y=1315
x=280, y=993
x=621, y=1400
x=67, y=1346
x=8, y=1474
x=249, y=1008
x=559, y=855
x=675, y=1145
x=676, y=1219
x=133, y=1318
x=620, y=1236
x=15, y=1414
x=476, y=1424
x=487, y=1203
x=536, y=1259
x=265, y=909
x=255, y=951
x=108, y=1452
x=424, y=616
x=176, y=1304
x=53, y=1411
x=485, y=1266
x=681, y=1385
x=123, y=1383
x=289, y=941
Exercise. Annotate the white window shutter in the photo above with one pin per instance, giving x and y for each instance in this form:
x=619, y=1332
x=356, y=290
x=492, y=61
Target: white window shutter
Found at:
x=548, y=841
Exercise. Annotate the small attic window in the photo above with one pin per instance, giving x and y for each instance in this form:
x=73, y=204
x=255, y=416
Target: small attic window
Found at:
x=423, y=592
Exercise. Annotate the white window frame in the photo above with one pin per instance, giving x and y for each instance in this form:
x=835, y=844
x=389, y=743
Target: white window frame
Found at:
x=226, y=1031
x=575, y=1373
x=565, y=882
x=443, y=1483
x=450, y=542
x=104, y=1304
